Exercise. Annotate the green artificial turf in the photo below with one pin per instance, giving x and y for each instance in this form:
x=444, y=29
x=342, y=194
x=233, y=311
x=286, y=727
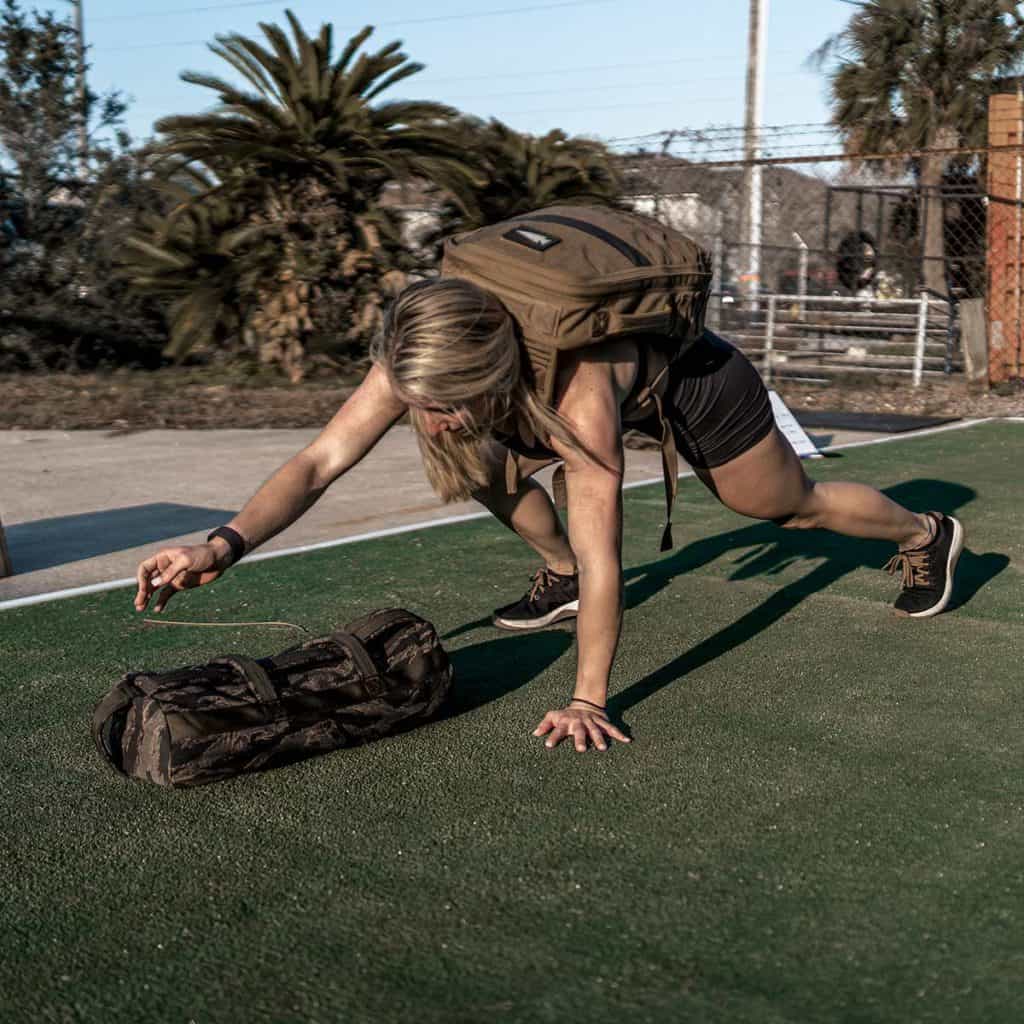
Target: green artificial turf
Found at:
x=820, y=818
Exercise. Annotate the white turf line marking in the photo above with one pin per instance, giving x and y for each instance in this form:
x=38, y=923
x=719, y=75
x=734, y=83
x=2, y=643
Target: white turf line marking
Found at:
x=96, y=588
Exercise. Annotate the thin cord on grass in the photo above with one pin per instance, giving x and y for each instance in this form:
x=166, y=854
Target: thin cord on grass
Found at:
x=180, y=622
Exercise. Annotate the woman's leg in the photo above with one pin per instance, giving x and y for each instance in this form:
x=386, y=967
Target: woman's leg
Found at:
x=768, y=482
x=529, y=513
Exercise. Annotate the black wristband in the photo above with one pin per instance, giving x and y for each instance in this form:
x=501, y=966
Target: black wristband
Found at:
x=583, y=700
x=234, y=541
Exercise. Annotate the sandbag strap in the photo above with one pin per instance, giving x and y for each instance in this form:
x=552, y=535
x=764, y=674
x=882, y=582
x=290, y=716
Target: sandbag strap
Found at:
x=377, y=621
x=357, y=651
x=670, y=469
x=254, y=674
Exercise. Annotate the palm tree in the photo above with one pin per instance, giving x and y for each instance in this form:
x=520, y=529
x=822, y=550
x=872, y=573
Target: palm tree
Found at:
x=525, y=172
x=200, y=261
x=312, y=115
x=917, y=75
x=304, y=153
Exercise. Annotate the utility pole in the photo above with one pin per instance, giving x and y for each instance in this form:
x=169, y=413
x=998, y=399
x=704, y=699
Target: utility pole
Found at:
x=752, y=191
x=83, y=106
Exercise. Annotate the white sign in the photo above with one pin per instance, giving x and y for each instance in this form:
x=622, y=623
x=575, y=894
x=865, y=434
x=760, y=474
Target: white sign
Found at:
x=794, y=433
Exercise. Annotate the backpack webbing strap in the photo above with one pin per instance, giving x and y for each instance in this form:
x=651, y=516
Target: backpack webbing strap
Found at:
x=511, y=473
x=254, y=674
x=670, y=468
x=558, y=487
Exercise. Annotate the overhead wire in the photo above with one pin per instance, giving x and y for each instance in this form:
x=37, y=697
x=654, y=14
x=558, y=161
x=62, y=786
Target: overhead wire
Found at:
x=699, y=136
x=464, y=16
x=537, y=73
x=184, y=10
x=601, y=88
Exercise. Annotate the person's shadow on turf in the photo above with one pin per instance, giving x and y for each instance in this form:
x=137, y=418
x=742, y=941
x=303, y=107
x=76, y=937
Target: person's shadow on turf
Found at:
x=522, y=658
x=775, y=550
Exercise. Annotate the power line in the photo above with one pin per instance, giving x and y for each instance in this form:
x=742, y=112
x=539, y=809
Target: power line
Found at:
x=591, y=67
x=602, y=88
x=822, y=158
x=721, y=132
x=620, y=106
x=187, y=10
x=466, y=16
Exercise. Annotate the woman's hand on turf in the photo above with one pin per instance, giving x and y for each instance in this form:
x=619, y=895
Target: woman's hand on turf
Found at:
x=175, y=569
x=579, y=725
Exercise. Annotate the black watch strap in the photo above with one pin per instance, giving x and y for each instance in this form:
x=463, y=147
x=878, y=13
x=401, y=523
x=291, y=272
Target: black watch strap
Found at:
x=234, y=540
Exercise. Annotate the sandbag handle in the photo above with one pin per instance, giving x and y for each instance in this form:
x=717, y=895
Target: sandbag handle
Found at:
x=377, y=621
x=119, y=698
x=254, y=674
x=357, y=652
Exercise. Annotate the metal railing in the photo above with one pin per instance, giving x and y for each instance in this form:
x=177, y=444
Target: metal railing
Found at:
x=822, y=337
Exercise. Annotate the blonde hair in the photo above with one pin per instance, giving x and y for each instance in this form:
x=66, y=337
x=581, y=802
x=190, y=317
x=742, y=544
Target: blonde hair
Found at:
x=446, y=343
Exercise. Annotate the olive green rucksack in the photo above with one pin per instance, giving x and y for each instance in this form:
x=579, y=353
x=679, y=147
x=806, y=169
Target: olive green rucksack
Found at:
x=573, y=276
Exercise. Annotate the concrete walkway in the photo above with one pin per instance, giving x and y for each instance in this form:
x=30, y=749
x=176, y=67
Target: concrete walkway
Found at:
x=85, y=507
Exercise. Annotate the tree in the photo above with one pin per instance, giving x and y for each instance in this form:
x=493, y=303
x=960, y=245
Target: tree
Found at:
x=522, y=172
x=916, y=75
x=59, y=306
x=39, y=112
x=305, y=153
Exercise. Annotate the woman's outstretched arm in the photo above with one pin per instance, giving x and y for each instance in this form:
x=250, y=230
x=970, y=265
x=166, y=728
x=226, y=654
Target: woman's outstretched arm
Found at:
x=292, y=490
x=591, y=405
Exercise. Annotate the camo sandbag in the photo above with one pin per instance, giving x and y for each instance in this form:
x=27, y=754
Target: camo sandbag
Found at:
x=195, y=725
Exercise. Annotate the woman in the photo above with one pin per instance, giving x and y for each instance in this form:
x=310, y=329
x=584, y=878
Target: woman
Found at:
x=449, y=357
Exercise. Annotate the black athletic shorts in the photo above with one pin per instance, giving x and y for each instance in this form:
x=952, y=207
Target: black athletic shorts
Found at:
x=717, y=403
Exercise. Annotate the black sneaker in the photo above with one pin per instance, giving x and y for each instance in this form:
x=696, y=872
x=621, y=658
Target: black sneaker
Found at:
x=928, y=571
x=553, y=597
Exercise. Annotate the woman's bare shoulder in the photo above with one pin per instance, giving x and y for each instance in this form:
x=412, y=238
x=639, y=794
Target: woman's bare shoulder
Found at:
x=615, y=361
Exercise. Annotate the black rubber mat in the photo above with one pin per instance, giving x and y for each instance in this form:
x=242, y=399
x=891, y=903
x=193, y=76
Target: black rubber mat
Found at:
x=884, y=422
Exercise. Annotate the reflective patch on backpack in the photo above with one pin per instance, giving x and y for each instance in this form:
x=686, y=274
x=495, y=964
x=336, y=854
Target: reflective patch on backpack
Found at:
x=532, y=239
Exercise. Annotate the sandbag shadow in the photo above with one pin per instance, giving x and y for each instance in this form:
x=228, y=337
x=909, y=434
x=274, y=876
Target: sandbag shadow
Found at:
x=490, y=670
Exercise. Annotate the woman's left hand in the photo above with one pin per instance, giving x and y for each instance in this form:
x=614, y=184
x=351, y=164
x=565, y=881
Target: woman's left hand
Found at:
x=578, y=725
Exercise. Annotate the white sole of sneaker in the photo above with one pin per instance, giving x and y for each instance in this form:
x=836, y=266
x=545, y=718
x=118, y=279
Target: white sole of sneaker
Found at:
x=951, y=559
x=566, y=611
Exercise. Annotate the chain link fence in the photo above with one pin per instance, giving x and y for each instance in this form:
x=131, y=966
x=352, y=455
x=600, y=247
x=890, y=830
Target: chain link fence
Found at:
x=859, y=267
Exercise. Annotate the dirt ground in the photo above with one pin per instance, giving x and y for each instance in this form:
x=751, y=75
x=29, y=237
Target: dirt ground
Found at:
x=190, y=399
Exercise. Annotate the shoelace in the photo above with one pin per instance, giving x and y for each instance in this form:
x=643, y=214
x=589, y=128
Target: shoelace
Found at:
x=914, y=566
x=541, y=579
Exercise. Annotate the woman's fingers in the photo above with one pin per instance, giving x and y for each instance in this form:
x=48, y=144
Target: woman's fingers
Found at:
x=578, y=732
x=557, y=735
x=614, y=732
x=546, y=725
x=163, y=597
x=582, y=729
x=142, y=577
x=173, y=569
x=169, y=575
x=596, y=736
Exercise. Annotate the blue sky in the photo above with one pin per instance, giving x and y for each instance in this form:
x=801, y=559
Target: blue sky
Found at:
x=604, y=68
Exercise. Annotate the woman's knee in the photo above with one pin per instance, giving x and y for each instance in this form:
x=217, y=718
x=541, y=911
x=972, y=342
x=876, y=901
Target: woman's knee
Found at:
x=807, y=513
